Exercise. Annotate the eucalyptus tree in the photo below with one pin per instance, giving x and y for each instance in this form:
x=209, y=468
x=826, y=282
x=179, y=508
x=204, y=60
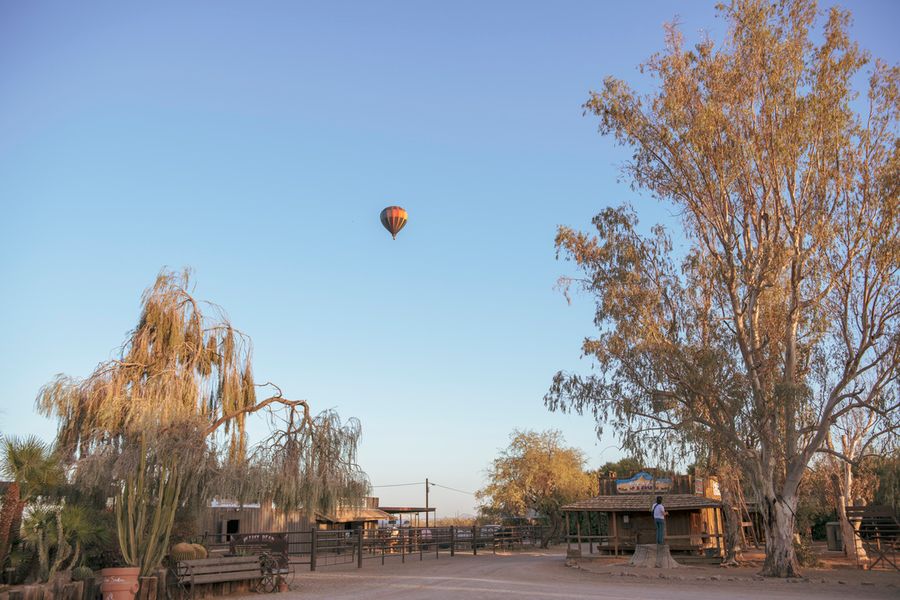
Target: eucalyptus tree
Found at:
x=164, y=424
x=783, y=314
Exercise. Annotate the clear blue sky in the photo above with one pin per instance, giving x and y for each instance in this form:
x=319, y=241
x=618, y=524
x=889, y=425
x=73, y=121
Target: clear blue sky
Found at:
x=257, y=143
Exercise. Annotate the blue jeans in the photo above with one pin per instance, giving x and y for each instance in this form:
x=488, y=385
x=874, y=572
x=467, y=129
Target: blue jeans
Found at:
x=660, y=530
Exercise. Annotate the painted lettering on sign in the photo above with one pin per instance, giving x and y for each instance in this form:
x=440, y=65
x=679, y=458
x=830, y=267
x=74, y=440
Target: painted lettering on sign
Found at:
x=643, y=482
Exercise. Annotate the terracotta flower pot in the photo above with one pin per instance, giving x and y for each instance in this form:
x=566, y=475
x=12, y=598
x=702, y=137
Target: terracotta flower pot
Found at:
x=119, y=583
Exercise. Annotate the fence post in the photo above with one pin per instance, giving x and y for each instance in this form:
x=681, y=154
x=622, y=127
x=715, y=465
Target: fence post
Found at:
x=313, y=547
x=474, y=540
x=437, y=544
x=402, y=546
x=359, y=549
x=452, y=540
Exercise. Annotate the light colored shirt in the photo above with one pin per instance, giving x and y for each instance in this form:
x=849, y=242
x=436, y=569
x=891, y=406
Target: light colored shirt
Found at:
x=659, y=511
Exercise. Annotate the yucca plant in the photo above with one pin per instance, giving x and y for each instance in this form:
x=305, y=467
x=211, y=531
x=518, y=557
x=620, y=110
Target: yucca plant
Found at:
x=34, y=469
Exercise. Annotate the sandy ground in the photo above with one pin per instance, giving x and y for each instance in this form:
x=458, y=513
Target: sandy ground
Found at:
x=546, y=575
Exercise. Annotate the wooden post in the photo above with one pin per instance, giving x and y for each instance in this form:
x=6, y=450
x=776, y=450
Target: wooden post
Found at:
x=359, y=549
x=719, y=542
x=402, y=546
x=578, y=532
x=568, y=536
x=474, y=541
x=313, y=548
x=452, y=540
x=590, y=533
x=615, y=534
x=88, y=592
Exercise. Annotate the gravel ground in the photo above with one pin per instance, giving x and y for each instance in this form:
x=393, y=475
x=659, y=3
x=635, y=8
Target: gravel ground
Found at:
x=546, y=575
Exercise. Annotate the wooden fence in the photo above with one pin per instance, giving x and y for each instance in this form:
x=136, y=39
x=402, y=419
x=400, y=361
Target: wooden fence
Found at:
x=323, y=548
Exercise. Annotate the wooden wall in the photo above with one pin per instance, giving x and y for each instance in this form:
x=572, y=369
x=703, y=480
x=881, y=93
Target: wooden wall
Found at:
x=253, y=520
x=641, y=528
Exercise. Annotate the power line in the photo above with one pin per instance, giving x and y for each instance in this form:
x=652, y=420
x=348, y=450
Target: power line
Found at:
x=452, y=489
x=399, y=484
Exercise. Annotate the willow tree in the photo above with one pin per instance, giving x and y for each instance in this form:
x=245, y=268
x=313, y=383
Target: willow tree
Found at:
x=783, y=313
x=164, y=423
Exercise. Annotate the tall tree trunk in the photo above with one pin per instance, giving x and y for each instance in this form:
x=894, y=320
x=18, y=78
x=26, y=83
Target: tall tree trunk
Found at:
x=555, y=524
x=732, y=518
x=778, y=519
x=7, y=518
x=15, y=527
x=853, y=547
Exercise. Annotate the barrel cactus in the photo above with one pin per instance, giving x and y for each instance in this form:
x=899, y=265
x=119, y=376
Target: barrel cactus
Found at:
x=200, y=551
x=183, y=551
x=82, y=574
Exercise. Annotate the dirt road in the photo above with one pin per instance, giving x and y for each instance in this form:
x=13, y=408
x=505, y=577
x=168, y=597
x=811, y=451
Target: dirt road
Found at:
x=544, y=575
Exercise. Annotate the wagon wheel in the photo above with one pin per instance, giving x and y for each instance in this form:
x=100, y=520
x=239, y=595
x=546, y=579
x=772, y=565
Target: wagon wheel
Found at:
x=269, y=580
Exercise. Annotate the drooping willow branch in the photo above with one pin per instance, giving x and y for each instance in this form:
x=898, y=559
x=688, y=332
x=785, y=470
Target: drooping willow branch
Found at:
x=184, y=379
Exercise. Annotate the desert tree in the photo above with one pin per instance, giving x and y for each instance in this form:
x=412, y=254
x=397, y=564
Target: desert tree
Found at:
x=782, y=314
x=163, y=424
x=536, y=472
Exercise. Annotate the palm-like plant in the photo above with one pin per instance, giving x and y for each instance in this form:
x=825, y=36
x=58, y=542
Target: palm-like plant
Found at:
x=35, y=470
x=57, y=535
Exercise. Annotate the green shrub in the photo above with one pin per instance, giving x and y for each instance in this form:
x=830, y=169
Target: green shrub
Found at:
x=82, y=573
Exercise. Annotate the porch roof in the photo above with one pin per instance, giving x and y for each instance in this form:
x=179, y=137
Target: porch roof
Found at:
x=640, y=503
x=351, y=515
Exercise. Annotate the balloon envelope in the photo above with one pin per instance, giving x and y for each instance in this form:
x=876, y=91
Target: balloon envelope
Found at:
x=393, y=218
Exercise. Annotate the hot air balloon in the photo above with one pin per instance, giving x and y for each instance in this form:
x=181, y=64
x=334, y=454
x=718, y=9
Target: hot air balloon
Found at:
x=393, y=218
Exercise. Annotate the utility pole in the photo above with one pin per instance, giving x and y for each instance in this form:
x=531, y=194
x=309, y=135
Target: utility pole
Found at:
x=426, y=501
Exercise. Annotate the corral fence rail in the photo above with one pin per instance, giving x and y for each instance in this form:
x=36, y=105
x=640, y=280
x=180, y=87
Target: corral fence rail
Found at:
x=323, y=548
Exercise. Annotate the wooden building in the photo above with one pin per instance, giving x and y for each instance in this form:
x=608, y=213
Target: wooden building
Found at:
x=224, y=518
x=620, y=517
x=362, y=517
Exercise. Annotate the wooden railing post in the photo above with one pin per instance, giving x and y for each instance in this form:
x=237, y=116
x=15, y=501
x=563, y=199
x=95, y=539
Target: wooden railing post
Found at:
x=313, y=548
x=359, y=549
x=474, y=540
x=452, y=540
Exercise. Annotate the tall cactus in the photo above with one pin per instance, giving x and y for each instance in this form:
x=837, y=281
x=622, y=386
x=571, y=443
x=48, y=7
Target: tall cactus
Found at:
x=145, y=513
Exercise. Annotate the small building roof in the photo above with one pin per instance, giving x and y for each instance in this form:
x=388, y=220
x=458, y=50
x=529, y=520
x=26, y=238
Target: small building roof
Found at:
x=350, y=515
x=397, y=510
x=641, y=502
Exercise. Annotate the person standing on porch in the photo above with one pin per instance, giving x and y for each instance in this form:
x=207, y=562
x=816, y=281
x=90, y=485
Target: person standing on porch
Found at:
x=659, y=516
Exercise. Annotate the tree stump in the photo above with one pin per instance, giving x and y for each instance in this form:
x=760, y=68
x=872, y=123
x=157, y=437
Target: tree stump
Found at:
x=654, y=556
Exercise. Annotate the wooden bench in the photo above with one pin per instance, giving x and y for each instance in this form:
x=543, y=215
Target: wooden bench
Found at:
x=217, y=570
